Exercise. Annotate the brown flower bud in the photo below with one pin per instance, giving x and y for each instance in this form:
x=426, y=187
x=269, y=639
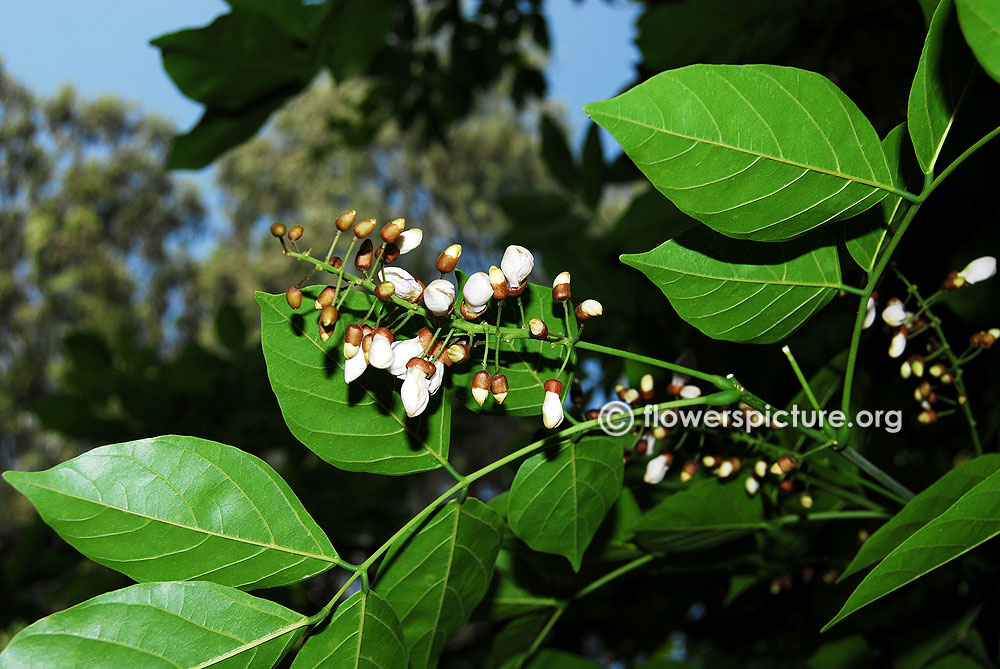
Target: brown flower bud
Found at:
x=352, y=340
x=517, y=292
x=389, y=253
x=426, y=338
x=560, y=287
x=689, y=470
x=325, y=297
x=363, y=261
x=364, y=228
x=392, y=230
x=936, y=370
x=499, y=283
x=954, y=282
x=588, y=309
x=550, y=386
x=423, y=365
x=328, y=316
x=449, y=258
x=592, y=414
x=295, y=233
x=385, y=332
x=458, y=352
x=346, y=220
x=336, y=262
x=367, y=330
x=278, y=230
x=480, y=386
x=366, y=340
x=385, y=290
x=294, y=297
x=783, y=465
x=325, y=332
x=646, y=387
x=538, y=328
x=498, y=386
x=468, y=315
x=927, y=416
x=947, y=378
x=786, y=486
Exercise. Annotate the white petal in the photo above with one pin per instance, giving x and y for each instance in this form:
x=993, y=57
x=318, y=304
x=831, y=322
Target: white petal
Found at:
x=381, y=355
x=414, y=392
x=894, y=314
x=354, y=367
x=656, y=469
x=898, y=345
x=552, y=410
x=439, y=296
x=869, y=314
x=690, y=392
x=979, y=269
x=477, y=291
x=409, y=240
x=404, y=283
x=402, y=351
x=434, y=383
x=516, y=264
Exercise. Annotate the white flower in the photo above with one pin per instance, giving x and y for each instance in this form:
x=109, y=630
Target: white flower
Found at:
x=414, y=392
x=979, y=269
x=434, y=384
x=898, y=344
x=690, y=392
x=354, y=367
x=477, y=291
x=894, y=314
x=403, y=350
x=656, y=469
x=752, y=486
x=552, y=410
x=439, y=296
x=869, y=314
x=409, y=240
x=380, y=355
x=406, y=286
x=516, y=264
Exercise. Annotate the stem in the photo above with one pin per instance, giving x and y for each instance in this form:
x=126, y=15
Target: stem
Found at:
x=612, y=575
x=717, y=381
x=956, y=163
x=801, y=377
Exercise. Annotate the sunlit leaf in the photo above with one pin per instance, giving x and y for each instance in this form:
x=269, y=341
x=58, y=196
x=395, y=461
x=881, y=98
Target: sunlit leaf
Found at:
x=364, y=632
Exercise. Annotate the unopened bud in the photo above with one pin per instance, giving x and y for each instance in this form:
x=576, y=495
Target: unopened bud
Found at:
x=898, y=343
x=905, y=370
x=936, y=370
x=480, y=386
x=751, y=485
x=423, y=365
x=385, y=290
x=725, y=469
x=278, y=230
x=538, y=328
x=631, y=396
x=560, y=287
x=391, y=230
x=352, y=340
x=806, y=500
x=325, y=297
x=917, y=366
x=783, y=465
x=588, y=309
x=760, y=469
x=552, y=409
x=328, y=315
x=646, y=387
x=389, y=253
x=346, y=220
x=449, y=258
x=294, y=297
x=498, y=386
x=660, y=433
x=953, y=282
x=363, y=261
x=295, y=233
x=364, y=228
x=458, y=352
x=689, y=470
x=927, y=416
x=592, y=414
x=425, y=337
x=499, y=283
x=922, y=392
x=709, y=461
x=690, y=392
x=786, y=486
x=947, y=378
x=336, y=262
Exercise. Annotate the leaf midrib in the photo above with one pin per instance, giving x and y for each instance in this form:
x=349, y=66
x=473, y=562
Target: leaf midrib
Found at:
x=635, y=262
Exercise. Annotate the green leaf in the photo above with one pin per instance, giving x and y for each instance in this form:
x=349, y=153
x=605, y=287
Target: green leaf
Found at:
x=973, y=519
x=556, y=153
x=980, y=21
x=362, y=427
x=509, y=595
x=286, y=13
x=743, y=291
x=352, y=34
x=363, y=632
x=180, y=508
x=437, y=576
x=922, y=509
x=527, y=363
x=592, y=167
x=515, y=639
x=165, y=625
x=754, y=151
x=943, y=74
x=558, y=500
x=707, y=514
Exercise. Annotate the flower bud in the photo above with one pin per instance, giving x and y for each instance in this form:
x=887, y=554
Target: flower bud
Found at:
x=936, y=370
x=783, y=465
x=631, y=395
x=922, y=392
x=660, y=433
x=552, y=405
x=295, y=233
x=388, y=253
x=689, y=470
x=979, y=269
x=516, y=264
x=588, y=309
x=363, y=261
x=953, y=282
x=328, y=316
x=425, y=337
x=499, y=283
x=560, y=287
x=458, y=352
x=477, y=292
x=498, y=386
x=917, y=366
x=869, y=314
x=646, y=387
x=449, y=258
x=392, y=230
x=346, y=220
x=725, y=469
x=480, y=386
x=709, y=461
x=294, y=297
x=385, y=290
x=806, y=500
x=786, y=486
x=752, y=485
x=538, y=328
x=760, y=469
x=423, y=365
x=592, y=414
x=894, y=313
x=352, y=340
x=898, y=343
x=364, y=228
x=325, y=297
x=927, y=416
x=905, y=370
x=439, y=296
x=656, y=469
x=690, y=392
x=278, y=230
x=947, y=378
x=335, y=261
x=994, y=332
x=366, y=341
x=409, y=240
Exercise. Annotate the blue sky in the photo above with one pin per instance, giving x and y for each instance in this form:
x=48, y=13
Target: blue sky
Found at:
x=102, y=46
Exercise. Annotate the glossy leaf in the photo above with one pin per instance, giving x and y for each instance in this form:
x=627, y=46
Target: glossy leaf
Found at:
x=943, y=74
x=973, y=519
x=558, y=500
x=743, y=291
x=980, y=21
x=706, y=514
x=527, y=363
x=922, y=509
x=439, y=574
x=361, y=427
x=180, y=508
x=364, y=632
x=754, y=151
x=153, y=625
